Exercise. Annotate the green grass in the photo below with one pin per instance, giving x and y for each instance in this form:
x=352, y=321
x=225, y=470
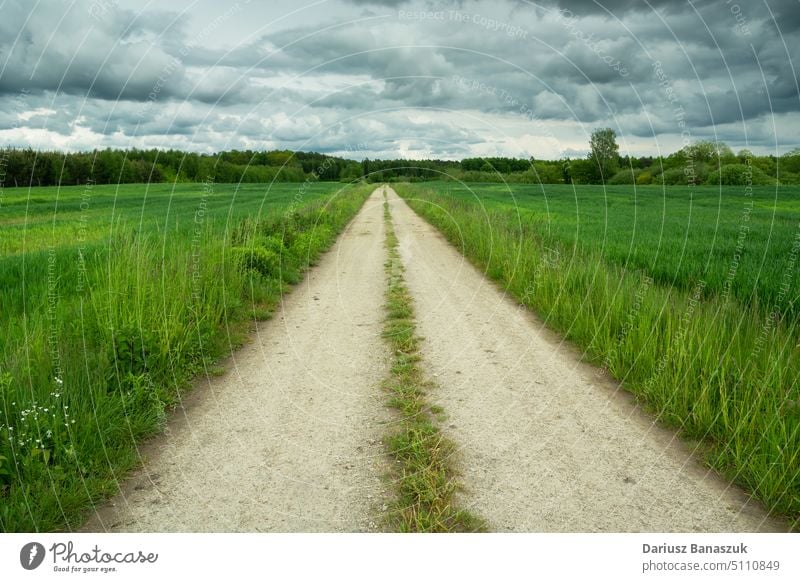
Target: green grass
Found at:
x=109, y=309
x=738, y=242
x=425, y=476
x=36, y=218
x=661, y=291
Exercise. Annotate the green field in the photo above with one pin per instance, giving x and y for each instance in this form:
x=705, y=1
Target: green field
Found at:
x=111, y=299
x=738, y=244
x=688, y=295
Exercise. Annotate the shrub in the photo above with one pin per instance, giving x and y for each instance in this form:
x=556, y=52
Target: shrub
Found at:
x=790, y=162
x=626, y=176
x=263, y=261
x=584, y=172
x=790, y=178
x=310, y=244
x=739, y=175
x=673, y=177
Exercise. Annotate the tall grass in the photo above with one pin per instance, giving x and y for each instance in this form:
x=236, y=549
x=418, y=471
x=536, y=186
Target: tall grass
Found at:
x=738, y=240
x=722, y=370
x=99, y=337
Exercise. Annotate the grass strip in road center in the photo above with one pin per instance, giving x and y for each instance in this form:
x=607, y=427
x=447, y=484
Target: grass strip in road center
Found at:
x=423, y=471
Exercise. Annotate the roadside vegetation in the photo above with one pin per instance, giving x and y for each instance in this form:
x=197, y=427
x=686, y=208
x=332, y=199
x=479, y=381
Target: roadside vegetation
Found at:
x=424, y=473
x=689, y=296
x=111, y=300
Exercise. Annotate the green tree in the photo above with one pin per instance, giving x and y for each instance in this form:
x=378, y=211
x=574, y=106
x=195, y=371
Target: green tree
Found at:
x=790, y=162
x=605, y=152
x=351, y=171
x=710, y=151
x=583, y=172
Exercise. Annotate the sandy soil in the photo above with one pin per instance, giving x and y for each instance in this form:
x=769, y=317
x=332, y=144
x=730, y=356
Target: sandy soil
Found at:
x=289, y=438
x=545, y=444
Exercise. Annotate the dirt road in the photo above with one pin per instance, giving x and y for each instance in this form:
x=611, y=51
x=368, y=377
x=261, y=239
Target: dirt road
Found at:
x=546, y=446
x=289, y=439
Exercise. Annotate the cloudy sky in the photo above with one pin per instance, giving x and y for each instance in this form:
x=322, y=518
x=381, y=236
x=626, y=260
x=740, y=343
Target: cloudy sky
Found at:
x=396, y=78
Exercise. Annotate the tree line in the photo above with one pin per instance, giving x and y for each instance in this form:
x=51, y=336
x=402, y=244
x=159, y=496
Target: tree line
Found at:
x=28, y=167
x=703, y=162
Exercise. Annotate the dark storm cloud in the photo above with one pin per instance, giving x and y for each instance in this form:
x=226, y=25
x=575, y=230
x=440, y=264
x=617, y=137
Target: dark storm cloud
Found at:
x=55, y=46
x=620, y=7
x=103, y=53
x=564, y=58
x=334, y=83
x=615, y=6
x=786, y=12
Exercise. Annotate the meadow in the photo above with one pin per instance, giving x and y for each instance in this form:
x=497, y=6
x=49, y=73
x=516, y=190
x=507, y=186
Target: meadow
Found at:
x=112, y=299
x=689, y=296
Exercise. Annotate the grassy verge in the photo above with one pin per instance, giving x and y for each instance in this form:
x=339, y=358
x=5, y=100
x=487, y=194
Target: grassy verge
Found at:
x=724, y=373
x=425, y=477
x=99, y=341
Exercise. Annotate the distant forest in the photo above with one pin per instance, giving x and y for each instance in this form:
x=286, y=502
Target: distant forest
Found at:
x=701, y=163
